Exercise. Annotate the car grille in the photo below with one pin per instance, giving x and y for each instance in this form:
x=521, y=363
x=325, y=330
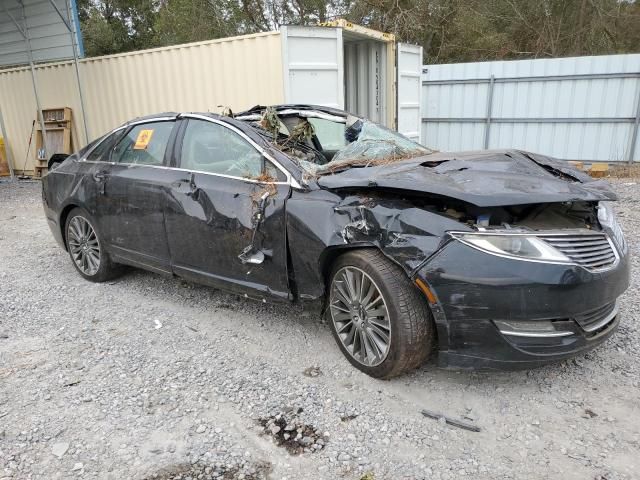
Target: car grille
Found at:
x=597, y=318
x=590, y=250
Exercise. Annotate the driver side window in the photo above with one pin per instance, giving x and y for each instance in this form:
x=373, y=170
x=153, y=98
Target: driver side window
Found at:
x=212, y=148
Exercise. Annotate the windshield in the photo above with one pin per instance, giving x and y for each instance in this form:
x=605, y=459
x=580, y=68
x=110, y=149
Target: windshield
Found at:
x=368, y=144
x=329, y=142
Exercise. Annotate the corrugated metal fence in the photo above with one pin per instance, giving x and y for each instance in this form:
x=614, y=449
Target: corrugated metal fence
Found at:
x=581, y=108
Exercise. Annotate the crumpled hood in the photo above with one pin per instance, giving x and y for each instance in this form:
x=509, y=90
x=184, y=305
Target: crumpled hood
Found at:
x=484, y=178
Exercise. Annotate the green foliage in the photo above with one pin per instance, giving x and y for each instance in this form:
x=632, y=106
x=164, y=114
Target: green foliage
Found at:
x=449, y=30
x=112, y=26
x=473, y=30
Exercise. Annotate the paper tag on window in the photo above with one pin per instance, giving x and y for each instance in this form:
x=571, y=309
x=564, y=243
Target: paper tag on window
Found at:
x=142, y=142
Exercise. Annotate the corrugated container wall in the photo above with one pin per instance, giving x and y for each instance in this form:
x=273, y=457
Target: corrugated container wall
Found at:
x=582, y=108
x=201, y=82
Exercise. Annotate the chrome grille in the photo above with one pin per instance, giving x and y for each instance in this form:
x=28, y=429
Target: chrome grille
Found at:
x=590, y=250
x=597, y=318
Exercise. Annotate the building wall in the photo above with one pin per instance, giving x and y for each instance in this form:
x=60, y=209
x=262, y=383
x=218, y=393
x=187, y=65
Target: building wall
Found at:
x=582, y=108
x=237, y=72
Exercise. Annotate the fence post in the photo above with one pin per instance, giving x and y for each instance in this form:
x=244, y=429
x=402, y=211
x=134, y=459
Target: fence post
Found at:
x=634, y=130
x=487, y=128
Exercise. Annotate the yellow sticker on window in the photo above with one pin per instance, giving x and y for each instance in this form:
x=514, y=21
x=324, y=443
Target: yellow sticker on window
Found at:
x=142, y=142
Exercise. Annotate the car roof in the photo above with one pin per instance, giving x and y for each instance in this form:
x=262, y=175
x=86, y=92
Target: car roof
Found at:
x=296, y=106
x=252, y=110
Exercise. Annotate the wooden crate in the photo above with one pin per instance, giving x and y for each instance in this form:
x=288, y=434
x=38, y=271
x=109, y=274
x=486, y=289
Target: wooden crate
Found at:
x=4, y=163
x=55, y=115
x=599, y=170
x=57, y=122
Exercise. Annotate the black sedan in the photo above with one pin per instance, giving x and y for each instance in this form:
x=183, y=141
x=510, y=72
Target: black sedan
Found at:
x=494, y=259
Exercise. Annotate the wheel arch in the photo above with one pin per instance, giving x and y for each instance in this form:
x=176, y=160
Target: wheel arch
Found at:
x=64, y=214
x=331, y=253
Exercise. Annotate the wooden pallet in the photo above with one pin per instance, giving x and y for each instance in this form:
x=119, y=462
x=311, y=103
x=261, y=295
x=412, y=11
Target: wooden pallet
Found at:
x=57, y=122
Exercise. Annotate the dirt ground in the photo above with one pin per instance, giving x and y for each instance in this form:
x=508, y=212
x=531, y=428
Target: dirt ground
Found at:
x=149, y=377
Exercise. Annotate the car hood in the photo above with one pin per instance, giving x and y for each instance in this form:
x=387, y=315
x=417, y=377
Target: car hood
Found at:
x=483, y=178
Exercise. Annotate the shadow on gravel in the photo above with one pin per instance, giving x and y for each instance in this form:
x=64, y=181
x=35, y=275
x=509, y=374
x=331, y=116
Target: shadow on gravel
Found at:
x=258, y=471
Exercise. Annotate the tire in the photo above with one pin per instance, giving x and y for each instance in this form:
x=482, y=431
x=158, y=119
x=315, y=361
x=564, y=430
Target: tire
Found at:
x=408, y=324
x=86, y=248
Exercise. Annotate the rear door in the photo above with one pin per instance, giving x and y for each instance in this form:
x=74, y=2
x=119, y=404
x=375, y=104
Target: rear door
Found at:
x=133, y=189
x=409, y=71
x=313, y=65
x=212, y=212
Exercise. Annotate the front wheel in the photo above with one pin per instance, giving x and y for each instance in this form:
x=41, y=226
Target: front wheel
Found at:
x=380, y=321
x=86, y=248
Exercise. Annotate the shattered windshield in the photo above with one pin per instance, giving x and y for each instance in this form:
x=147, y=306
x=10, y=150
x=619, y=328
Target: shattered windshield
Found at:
x=368, y=144
x=323, y=143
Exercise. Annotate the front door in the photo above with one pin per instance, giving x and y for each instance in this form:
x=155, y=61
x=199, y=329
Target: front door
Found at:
x=213, y=213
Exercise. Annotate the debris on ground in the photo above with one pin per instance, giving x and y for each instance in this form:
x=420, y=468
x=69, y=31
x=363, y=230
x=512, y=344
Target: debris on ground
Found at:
x=59, y=449
x=348, y=418
x=588, y=413
x=312, y=372
x=451, y=421
x=293, y=434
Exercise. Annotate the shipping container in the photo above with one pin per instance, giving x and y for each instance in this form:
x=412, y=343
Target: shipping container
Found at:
x=338, y=64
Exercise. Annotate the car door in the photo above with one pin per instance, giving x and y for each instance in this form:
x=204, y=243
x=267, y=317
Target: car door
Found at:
x=213, y=212
x=133, y=190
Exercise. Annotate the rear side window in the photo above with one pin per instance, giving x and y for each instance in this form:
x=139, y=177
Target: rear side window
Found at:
x=144, y=144
x=212, y=148
x=101, y=152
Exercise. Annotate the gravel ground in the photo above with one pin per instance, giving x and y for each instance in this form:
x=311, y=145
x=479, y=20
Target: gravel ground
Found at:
x=155, y=378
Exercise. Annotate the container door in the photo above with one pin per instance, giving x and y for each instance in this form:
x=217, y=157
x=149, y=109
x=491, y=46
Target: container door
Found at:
x=313, y=65
x=409, y=68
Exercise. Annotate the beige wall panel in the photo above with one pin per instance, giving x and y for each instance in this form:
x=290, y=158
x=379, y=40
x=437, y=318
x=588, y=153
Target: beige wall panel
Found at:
x=237, y=72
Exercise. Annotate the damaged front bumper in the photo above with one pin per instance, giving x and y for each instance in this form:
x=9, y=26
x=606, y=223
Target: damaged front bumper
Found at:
x=502, y=313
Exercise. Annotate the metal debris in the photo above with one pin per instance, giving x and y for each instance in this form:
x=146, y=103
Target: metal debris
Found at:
x=451, y=421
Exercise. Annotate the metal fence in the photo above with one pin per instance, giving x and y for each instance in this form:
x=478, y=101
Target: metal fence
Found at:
x=583, y=108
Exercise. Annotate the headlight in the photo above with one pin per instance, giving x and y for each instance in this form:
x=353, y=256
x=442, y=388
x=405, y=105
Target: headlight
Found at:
x=607, y=218
x=514, y=246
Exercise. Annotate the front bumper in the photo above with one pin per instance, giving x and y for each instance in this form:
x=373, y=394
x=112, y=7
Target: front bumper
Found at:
x=474, y=289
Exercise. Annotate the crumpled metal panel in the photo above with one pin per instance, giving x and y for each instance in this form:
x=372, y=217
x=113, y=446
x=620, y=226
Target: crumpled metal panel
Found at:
x=406, y=234
x=485, y=179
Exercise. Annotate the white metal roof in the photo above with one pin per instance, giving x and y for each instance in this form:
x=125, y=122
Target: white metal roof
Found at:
x=42, y=25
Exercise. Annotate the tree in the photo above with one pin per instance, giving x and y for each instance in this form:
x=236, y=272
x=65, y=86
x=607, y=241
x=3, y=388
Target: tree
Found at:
x=112, y=26
x=449, y=30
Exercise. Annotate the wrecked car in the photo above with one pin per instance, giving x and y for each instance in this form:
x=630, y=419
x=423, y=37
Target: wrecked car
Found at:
x=488, y=259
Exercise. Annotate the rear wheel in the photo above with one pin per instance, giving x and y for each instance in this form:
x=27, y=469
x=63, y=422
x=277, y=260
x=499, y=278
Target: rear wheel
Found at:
x=380, y=321
x=86, y=248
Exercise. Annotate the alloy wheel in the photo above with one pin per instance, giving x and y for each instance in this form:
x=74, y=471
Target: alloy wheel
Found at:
x=84, y=245
x=360, y=316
